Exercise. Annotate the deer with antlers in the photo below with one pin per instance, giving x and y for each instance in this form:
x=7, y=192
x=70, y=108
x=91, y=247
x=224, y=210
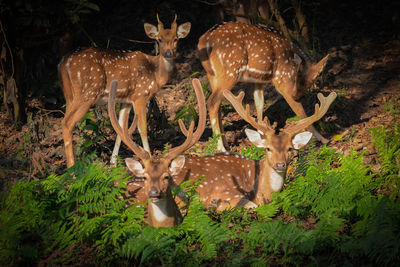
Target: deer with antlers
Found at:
x=86, y=74
x=236, y=52
x=158, y=172
x=233, y=180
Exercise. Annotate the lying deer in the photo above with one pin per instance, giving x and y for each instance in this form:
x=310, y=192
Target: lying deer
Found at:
x=233, y=180
x=162, y=209
x=237, y=52
x=86, y=74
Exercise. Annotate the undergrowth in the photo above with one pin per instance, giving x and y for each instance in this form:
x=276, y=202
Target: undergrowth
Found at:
x=333, y=212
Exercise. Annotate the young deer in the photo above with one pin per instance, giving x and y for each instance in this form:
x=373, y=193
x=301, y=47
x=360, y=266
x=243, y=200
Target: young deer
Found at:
x=86, y=74
x=237, y=52
x=162, y=209
x=233, y=180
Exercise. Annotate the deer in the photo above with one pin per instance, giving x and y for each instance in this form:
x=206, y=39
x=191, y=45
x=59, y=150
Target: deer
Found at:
x=231, y=180
x=238, y=52
x=86, y=74
x=158, y=171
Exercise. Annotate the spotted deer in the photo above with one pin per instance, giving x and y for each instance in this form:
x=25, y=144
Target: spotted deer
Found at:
x=237, y=52
x=233, y=180
x=157, y=172
x=86, y=74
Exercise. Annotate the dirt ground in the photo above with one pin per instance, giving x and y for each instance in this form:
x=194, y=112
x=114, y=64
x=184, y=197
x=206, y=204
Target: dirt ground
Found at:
x=365, y=76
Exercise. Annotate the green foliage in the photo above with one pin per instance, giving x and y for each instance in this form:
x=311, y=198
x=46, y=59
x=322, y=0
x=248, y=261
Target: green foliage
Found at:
x=330, y=213
x=212, y=145
x=186, y=113
x=253, y=152
x=392, y=106
x=93, y=134
x=387, y=143
x=82, y=206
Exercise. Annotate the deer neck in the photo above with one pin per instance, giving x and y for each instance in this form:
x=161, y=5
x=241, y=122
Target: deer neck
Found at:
x=164, y=69
x=267, y=182
x=163, y=213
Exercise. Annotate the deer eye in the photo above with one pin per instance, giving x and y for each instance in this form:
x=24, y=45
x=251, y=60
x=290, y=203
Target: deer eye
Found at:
x=268, y=149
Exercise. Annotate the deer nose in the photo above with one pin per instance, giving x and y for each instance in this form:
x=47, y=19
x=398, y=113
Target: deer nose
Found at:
x=168, y=54
x=280, y=166
x=154, y=193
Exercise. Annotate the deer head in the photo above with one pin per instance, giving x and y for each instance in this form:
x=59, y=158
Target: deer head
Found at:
x=293, y=136
x=167, y=39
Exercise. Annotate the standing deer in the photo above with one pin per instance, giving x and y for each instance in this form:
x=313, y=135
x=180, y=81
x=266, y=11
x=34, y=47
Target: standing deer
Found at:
x=86, y=74
x=162, y=209
x=232, y=180
x=237, y=52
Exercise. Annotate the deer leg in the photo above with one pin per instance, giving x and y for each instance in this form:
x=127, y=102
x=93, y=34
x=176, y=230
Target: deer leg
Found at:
x=214, y=103
x=140, y=109
x=123, y=121
x=258, y=95
x=73, y=115
x=297, y=107
x=218, y=85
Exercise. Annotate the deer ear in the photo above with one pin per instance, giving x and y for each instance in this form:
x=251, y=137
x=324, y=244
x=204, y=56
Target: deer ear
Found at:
x=301, y=139
x=151, y=30
x=135, y=167
x=183, y=30
x=177, y=165
x=255, y=138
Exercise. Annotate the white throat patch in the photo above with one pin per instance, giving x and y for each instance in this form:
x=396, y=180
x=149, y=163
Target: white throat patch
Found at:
x=276, y=180
x=169, y=64
x=159, y=209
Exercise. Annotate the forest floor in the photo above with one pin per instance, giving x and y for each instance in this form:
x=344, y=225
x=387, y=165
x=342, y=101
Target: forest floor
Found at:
x=365, y=75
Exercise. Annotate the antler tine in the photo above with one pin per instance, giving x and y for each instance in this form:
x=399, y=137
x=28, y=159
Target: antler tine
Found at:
x=173, y=24
x=201, y=102
x=160, y=24
x=192, y=138
x=123, y=133
x=263, y=126
x=318, y=114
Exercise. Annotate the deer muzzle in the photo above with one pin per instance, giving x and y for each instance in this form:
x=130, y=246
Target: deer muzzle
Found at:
x=154, y=194
x=280, y=166
x=168, y=54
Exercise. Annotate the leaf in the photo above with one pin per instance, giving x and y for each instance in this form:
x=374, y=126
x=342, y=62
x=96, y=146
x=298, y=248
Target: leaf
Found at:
x=93, y=6
x=337, y=137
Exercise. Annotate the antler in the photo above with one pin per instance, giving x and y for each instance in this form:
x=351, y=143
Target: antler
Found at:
x=202, y=113
x=318, y=114
x=192, y=138
x=123, y=133
x=173, y=25
x=160, y=24
x=263, y=126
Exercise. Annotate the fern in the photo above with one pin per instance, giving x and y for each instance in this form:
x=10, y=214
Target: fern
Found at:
x=387, y=143
x=377, y=237
x=199, y=226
